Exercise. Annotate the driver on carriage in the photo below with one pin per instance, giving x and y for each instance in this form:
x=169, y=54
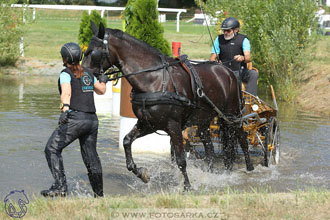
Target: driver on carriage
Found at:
x=233, y=50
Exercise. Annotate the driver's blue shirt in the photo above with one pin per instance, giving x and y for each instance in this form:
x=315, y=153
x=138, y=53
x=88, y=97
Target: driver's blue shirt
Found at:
x=66, y=78
x=246, y=46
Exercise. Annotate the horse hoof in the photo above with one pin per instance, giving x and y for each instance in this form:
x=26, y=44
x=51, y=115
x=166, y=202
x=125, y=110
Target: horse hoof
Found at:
x=250, y=167
x=229, y=167
x=172, y=159
x=144, y=175
x=210, y=169
x=130, y=166
x=186, y=188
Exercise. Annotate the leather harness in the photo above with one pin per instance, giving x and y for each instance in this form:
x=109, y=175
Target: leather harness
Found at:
x=166, y=97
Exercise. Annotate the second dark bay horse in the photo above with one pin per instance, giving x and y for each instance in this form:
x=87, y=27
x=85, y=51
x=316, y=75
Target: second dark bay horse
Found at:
x=164, y=97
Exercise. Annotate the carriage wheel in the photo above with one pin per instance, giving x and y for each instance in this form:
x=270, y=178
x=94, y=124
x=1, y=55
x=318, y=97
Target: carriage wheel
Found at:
x=271, y=144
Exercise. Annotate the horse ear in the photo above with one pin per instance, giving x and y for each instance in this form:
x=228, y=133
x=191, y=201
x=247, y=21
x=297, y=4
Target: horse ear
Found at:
x=101, y=31
x=94, y=28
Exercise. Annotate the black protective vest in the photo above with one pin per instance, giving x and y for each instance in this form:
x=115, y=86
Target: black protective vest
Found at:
x=82, y=91
x=231, y=48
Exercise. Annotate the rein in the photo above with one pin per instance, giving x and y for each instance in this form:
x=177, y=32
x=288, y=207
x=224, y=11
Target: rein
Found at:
x=162, y=66
x=154, y=68
x=182, y=59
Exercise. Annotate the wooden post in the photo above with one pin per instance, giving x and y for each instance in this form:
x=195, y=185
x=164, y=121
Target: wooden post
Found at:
x=125, y=99
x=273, y=97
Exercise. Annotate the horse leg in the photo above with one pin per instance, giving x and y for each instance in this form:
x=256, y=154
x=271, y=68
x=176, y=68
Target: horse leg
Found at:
x=228, y=147
x=172, y=152
x=174, y=130
x=187, y=149
x=136, y=132
x=208, y=146
x=242, y=138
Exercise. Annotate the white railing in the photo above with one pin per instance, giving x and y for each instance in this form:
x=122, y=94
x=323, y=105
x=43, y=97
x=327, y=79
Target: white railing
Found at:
x=102, y=9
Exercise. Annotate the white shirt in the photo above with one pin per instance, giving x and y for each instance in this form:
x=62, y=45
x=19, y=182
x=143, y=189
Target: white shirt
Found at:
x=320, y=12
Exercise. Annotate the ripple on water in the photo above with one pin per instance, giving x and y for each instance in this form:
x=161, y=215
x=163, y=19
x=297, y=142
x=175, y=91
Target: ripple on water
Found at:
x=29, y=114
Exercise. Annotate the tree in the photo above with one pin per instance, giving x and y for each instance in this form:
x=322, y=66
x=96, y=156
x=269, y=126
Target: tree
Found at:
x=85, y=31
x=11, y=26
x=278, y=32
x=141, y=18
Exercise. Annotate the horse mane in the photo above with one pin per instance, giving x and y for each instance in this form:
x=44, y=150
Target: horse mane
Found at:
x=124, y=36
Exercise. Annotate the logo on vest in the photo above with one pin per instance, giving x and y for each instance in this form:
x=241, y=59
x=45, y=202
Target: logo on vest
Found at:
x=87, y=83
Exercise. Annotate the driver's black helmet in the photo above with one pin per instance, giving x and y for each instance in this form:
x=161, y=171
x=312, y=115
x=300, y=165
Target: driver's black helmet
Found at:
x=230, y=23
x=71, y=52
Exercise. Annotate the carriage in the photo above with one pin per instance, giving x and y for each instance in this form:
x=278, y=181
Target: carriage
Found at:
x=171, y=93
x=259, y=121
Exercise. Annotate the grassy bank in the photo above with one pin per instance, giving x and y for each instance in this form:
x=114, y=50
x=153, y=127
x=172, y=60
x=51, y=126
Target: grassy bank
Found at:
x=310, y=204
x=314, y=94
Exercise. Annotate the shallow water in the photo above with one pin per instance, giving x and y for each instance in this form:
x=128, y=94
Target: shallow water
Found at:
x=29, y=113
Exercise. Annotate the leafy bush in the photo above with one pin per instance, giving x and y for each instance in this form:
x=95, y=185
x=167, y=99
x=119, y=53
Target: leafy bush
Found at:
x=85, y=31
x=278, y=32
x=141, y=18
x=11, y=26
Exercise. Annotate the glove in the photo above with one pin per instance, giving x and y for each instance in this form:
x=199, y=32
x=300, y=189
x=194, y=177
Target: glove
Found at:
x=63, y=118
x=103, y=78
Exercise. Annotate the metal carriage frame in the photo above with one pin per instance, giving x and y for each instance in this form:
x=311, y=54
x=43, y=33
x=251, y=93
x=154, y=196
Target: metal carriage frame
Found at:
x=260, y=121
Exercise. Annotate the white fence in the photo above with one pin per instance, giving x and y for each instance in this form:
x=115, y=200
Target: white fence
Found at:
x=102, y=9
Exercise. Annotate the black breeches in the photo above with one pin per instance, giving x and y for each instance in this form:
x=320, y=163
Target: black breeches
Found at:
x=82, y=126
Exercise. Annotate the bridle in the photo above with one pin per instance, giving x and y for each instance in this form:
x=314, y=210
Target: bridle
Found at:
x=100, y=55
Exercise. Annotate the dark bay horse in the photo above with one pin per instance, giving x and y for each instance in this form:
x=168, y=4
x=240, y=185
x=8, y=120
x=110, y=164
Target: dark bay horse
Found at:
x=169, y=90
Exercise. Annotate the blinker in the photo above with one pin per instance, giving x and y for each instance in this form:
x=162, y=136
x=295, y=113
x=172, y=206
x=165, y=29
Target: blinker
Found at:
x=96, y=56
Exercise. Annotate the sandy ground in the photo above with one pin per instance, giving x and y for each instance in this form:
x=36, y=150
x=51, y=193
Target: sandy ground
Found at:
x=314, y=94
x=36, y=67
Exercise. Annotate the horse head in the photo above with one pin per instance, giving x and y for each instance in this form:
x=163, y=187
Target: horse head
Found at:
x=97, y=56
x=110, y=47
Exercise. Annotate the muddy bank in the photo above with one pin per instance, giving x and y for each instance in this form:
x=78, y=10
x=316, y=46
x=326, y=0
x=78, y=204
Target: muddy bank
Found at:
x=34, y=67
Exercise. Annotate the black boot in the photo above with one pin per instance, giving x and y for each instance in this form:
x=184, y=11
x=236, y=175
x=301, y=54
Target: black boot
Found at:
x=59, y=188
x=56, y=190
x=55, y=164
x=96, y=181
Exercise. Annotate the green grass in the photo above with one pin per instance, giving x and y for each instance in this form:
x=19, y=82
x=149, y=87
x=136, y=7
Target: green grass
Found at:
x=309, y=204
x=319, y=53
x=53, y=28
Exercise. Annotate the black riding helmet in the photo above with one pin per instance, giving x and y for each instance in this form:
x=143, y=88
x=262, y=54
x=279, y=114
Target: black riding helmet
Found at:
x=230, y=23
x=71, y=53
